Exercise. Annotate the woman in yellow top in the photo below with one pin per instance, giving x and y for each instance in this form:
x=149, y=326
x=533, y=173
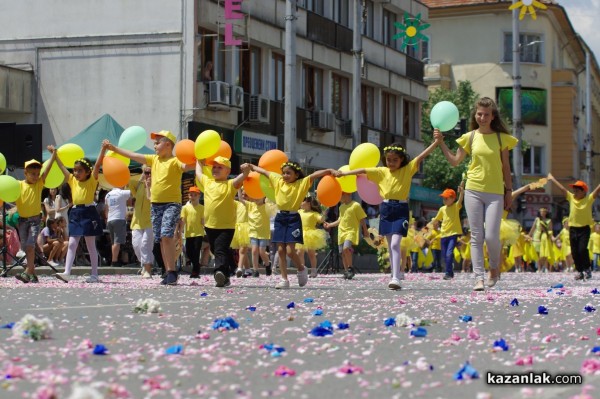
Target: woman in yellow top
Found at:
x=314, y=238
x=259, y=232
x=165, y=196
x=449, y=216
x=84, y=219
x=192, y=223
x=394, y=180
x=290, y=189
x=489, y=184
x=241, y=239
x=541, y=234
x=580, y=220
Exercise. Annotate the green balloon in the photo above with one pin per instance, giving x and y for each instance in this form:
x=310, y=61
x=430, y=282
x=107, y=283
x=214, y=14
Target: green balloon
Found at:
x=267, y=189
x=2, y=163
x=10, y=188
x=133, y=138
x=444, y=116
x=55, y=177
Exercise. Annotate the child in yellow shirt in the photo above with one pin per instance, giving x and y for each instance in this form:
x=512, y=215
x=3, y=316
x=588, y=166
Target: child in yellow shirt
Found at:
x=192, y=223
x=259, y=231
x=241, y=239
x=352, y=216
x=449, y=216
x=314, y=238
x=595, y=240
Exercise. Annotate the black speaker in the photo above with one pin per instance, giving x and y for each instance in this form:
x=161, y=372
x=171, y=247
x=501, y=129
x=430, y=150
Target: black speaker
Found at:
x=20, y=143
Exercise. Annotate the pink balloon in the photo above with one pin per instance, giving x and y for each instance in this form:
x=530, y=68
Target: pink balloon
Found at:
x=368, y=190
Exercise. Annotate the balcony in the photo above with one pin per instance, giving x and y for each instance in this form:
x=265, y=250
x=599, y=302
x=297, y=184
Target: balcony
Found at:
x=325, y=31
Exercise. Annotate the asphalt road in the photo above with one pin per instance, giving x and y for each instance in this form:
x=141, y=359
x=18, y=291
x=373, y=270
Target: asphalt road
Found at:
x=366, y=359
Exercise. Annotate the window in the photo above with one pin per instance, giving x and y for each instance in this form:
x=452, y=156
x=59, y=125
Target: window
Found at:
x=531, y=48
x=278, y=74
x=211, y=65
x=388, y=112
x=533, y=160
x=409, y=114
x=367, y=105
x=389, y=30
x=368, y=19
x=313, y=88
x=341, y=12
x=251, y=70
x=315, y=6
x=340, y=90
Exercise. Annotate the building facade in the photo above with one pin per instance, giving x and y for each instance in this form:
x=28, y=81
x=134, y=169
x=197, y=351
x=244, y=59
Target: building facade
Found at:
x=472, y=40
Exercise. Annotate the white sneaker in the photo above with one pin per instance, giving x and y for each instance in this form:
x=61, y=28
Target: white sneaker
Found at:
x=479, y=286
x=63, y=277
x=239, y=273
x=92, y=280
x=145, y=274
x=53, y=263
x=394, y=284
x=302, y=277
x=283, y=284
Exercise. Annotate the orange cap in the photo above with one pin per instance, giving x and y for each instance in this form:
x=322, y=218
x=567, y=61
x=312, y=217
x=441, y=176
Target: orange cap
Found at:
x=447, y=193
x=194, y=189
x=580, y=184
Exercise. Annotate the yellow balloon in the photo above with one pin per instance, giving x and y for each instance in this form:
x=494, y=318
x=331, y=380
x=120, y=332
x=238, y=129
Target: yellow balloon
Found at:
x=69, y=153
x=10, y=188
x=365, y=155
x=55, y=177
x=207, y=144
x=348, y=183
x=123, y=159
x=206, y=171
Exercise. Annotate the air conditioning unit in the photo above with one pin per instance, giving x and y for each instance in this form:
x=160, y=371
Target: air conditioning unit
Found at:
x=259, y=109
x=322, y=120
x=218, y=95
x=237, y=97
x=345, y=128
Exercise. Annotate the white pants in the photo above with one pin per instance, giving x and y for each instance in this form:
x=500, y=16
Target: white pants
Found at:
x=484, y=211
x=143, y=242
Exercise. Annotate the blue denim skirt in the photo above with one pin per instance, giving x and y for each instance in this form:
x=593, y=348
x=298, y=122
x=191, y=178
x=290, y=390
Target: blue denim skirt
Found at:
x=84, y=221
x=288, y=228
x=393, y=218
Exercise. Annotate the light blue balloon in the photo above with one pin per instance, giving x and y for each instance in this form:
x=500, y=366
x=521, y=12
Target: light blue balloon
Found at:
x=444, y=116
x=133, y=138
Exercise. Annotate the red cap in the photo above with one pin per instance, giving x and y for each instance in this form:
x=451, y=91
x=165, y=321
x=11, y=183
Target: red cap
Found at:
x=580, y=184
x=447, y=193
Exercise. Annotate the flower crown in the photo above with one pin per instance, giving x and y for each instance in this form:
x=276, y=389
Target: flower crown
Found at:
x=292, y=165
x=85, y=162
x=393, y=148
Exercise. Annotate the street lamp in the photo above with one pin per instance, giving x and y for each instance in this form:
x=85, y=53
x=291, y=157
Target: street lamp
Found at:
x=517, y=124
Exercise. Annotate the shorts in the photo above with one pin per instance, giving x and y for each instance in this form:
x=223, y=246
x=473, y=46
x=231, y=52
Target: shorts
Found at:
x=117, y=230
x=165, y=217
x=393, y=218
x=259, y=242
x=29, y=229
x=288, y=228
x=84, y=221
x=345, y=245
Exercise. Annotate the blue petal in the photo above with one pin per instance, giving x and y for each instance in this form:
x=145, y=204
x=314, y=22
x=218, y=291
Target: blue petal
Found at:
x=318, y=312
x=251, y=308
x=466, y=318
x=501, y=343
x=204, y=294
x=595, y=291
x=8, y=325
x=320, y=331
x=291, y=305
x=390, y=322
x=327, y=324
x=418, y=332
x=227, y=323
x=343, y=326
x=100, y=349
x=308, y=300
x=514, y=302
x=596, y=349
x=558, y=286
x=174, y=350
x=542, y=310
x=589, y=309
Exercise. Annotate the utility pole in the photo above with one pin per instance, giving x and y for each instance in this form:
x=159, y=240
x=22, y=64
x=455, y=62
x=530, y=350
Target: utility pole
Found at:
x=588, y=122
x=289, y=126
x=357, y=54
x=517, y=124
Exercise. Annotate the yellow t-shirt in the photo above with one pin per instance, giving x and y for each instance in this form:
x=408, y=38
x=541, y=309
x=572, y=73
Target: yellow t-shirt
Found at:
x=29, y=203
x=485, y=170
x=83, y=192
x=192, y=215
x=393, y=185
x=350, y=216
x=166, y=178
x=310, y=219
x=241, y=213
x=219, y=206
x=580, y=212
x=289, y=196
x=435, y=239
x=450, y=218
x=258, y=221
x=141, y=210
x=595, y=241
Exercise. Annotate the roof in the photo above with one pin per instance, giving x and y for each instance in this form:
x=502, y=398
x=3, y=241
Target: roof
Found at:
x=457, y=3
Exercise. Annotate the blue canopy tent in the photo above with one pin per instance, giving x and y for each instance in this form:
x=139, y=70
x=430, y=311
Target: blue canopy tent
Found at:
x=90, y=139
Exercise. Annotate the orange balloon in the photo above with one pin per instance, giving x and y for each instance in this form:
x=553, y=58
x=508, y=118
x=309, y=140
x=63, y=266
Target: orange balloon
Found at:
x=252, y=186
x=115, y=172
x=329, y=191
x=223, y=151
x=185, y=151
x=272, y=160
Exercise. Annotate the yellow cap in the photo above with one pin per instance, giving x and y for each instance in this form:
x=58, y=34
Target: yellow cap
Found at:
x=163, y=133
x=32, y=162
x=223, y=161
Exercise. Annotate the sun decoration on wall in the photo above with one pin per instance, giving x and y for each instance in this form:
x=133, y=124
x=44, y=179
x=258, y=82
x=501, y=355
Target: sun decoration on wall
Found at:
x=528, y=5
x=410, y=31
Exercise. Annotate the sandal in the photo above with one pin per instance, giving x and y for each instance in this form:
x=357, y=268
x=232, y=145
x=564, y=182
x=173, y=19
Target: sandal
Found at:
x=23, y=277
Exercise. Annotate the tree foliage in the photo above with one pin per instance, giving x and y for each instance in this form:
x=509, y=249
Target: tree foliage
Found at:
x=438, y=172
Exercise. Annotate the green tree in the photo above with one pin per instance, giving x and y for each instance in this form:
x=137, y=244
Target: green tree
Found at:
x=438, y=172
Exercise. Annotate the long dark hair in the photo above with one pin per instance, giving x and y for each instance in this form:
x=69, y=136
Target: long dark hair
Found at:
x=396, y=148
x=497, y=123
x=86, y=164
x=314, y=204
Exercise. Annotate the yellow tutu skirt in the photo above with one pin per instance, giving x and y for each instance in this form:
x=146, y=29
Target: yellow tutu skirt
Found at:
x=546, y=247
x=241, y=237
x=557, y=254
x=424, y=260
x=509, y=231
x=566, y=250
x=529, y=253
x=408, y=244
x=465, y=251
x=506, y=264
x=457, y=255
x=314, y=239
